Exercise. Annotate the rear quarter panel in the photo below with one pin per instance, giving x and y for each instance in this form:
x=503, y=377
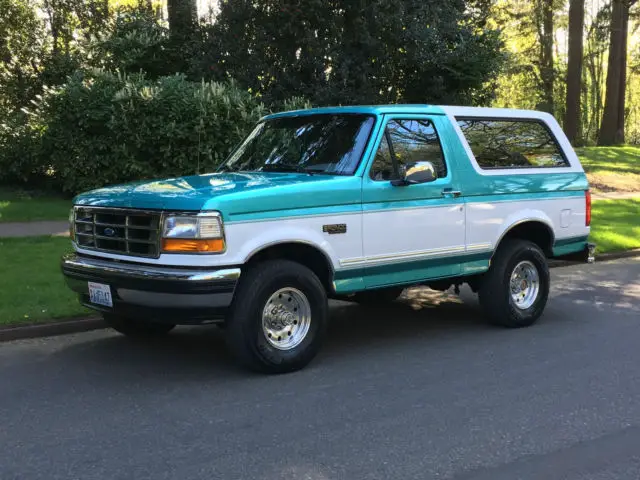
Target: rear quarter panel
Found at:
x=497, y=200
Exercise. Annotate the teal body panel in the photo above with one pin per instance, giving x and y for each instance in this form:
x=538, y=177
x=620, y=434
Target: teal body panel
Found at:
x=409, y=273
x=260, y=196
x=239, y=196
x=567, y=246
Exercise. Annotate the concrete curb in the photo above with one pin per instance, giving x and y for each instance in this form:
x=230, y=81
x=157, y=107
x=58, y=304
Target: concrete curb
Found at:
x=86, y=324
x=603, y=257
x=50, y=329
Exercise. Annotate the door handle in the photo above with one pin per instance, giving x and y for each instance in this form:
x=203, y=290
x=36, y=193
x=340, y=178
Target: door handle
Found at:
x=450, y=192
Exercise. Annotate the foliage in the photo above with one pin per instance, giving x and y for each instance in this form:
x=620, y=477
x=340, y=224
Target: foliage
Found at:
x=133, y=41
x=104, y=128
x=344, y=52
x=21, y=47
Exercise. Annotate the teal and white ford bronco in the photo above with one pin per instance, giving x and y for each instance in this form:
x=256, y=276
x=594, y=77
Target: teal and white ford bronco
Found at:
x=349, y=203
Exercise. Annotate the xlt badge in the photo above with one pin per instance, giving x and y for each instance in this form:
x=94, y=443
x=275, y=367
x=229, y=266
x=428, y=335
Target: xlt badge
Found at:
x=335, y=228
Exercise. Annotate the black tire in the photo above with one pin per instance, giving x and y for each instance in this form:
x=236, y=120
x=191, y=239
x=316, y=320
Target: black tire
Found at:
x=495, y=287
x=380, y=296
x=139, y=329
x=244, y=331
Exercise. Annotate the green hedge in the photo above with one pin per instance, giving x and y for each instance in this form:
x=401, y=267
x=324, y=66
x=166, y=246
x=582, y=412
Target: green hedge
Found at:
x=102, y=128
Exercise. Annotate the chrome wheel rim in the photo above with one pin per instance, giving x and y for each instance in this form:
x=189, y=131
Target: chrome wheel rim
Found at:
x=524, y=285
x=286, y=318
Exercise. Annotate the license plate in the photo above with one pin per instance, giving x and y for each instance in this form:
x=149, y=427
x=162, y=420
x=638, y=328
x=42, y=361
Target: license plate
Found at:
x=100, y=294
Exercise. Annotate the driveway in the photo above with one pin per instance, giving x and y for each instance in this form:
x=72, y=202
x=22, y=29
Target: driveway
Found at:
x=422, y=389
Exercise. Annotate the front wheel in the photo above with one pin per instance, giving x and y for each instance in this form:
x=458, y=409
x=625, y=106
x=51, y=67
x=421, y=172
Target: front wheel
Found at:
x=515, y=290
x=278, y=319
x=137, y=328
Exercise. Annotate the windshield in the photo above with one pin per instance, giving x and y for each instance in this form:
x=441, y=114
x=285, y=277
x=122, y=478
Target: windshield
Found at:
x=327, y=144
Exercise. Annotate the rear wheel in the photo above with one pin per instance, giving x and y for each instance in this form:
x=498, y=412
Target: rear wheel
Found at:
x=515, y=290
x=278, y=318
x=137, y=328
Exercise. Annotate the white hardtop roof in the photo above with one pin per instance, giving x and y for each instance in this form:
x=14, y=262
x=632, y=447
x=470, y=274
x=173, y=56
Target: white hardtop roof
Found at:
x=495, y=112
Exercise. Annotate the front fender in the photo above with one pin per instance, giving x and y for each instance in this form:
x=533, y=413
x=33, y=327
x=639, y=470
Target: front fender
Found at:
x=247, y=239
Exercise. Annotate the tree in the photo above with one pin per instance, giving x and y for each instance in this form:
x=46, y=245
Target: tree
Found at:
x=574, y=69
x=21, y=52
x=183, y=17
x=544, y=16
x=612, y=126
x=353, y=51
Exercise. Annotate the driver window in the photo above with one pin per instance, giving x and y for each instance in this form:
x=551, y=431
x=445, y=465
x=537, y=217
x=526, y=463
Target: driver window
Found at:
x=412, y=141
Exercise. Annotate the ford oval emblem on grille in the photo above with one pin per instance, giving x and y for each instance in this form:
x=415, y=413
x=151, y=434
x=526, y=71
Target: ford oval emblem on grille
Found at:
x=109, y=232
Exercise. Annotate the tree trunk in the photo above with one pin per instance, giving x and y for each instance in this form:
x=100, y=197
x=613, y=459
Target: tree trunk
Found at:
x=610, y=128
x=622, y=89
x=544, y=16
x=183, y=16
x=574, y=69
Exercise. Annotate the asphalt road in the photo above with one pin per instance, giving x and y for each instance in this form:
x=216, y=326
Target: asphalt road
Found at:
x=410, y=391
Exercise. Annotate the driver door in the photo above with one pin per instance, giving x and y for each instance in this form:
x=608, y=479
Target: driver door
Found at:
x=411, y=232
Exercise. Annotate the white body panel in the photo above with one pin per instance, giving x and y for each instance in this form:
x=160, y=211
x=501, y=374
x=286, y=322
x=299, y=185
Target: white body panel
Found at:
x=487, y=222
x=245, y=239
x=412, y=233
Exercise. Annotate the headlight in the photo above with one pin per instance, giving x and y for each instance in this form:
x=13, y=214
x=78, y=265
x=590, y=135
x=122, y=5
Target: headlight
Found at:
x=201, y=233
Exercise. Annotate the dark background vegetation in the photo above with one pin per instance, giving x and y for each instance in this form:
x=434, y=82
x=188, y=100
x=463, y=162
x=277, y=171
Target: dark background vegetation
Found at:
x=95, y=92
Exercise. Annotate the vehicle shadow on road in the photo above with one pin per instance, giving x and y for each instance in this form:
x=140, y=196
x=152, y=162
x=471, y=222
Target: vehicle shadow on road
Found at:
x=421, y=315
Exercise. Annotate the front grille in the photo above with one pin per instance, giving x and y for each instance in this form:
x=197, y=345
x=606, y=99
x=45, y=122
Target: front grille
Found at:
x=126, y=232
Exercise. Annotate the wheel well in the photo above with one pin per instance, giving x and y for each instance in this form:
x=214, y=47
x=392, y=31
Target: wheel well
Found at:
x=533, y=231
x=302, y=253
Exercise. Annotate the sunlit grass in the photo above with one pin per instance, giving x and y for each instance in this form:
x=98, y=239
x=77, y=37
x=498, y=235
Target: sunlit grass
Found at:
x=31, y=285
x=612, y=169
x=615, y=225
x=22, y=206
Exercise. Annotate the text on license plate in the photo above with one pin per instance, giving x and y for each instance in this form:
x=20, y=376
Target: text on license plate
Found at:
x=100, y=294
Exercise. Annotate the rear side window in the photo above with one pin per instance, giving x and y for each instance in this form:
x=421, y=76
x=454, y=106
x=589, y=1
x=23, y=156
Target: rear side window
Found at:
x=511, y=143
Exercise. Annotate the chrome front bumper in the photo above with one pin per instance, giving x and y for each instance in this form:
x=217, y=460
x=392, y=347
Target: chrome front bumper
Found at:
x=171, y=294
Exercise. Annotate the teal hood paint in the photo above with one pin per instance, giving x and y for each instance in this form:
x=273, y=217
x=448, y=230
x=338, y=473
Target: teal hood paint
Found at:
x=236, y=195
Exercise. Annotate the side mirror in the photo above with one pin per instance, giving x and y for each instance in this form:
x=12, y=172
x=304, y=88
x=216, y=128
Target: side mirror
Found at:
x=419, y=172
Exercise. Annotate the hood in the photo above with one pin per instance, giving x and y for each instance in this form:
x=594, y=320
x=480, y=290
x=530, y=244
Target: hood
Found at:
x=230, y=193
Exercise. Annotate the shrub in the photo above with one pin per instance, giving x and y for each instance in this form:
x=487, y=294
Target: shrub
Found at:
x=102, y=128
x=20, y=151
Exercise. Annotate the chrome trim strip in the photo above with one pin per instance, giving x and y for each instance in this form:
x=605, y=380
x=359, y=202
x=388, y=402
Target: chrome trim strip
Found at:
x=402, y=256
x=146, y=272
x=479, y=246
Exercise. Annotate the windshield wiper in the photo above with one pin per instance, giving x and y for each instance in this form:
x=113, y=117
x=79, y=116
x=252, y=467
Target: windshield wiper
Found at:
x=286, y=167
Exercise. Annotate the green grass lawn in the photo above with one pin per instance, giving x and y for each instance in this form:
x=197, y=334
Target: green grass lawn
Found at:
x=32, y=288
x=22, y=206
x=615, y=225
x=612, y=169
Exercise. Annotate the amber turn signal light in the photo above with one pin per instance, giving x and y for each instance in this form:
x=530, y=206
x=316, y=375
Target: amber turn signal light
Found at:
x=198, y=245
